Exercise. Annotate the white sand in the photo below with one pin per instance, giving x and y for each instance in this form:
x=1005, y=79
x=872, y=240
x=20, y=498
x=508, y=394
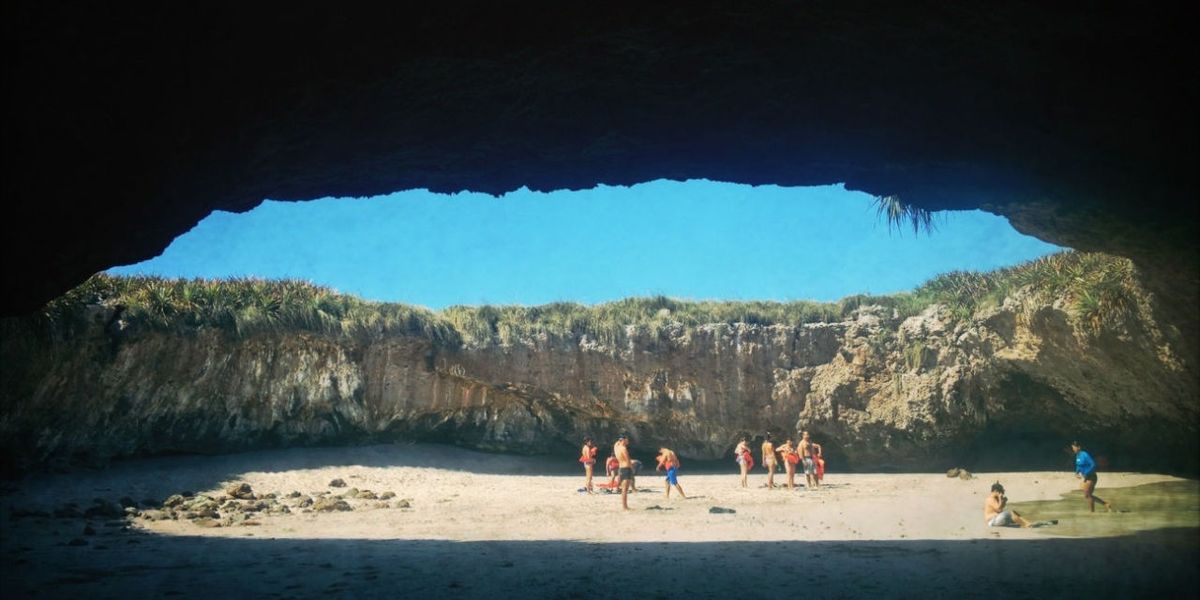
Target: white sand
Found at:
x=854, y=520
x=466, y=506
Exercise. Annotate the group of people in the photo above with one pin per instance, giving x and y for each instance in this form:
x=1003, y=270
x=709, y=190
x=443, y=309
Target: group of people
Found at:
x=997, y=514
x=807, y=455
x=622, y=469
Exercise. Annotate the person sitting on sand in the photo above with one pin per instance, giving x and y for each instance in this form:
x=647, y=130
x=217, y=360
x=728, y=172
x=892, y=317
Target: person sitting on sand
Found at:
x=994, y=513
x=742, y=456
x=669, y=462
x=587, y=456
x=1085, y=469
x=624, y=468
x=768, y=459
x=809, y=459
x=790, y=458
x=610, y=470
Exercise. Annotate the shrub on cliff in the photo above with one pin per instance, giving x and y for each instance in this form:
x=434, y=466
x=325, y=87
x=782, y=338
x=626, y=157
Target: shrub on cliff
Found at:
x=1097, y=288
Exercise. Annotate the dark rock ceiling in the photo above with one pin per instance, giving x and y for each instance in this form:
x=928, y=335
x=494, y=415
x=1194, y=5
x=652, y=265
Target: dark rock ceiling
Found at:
x=128, y=123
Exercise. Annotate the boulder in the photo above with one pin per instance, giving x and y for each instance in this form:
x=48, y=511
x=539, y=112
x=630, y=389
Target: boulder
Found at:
x=387, y=495
x=102, y=508
x=337, y=483
x=331, y=505
x=241, y=491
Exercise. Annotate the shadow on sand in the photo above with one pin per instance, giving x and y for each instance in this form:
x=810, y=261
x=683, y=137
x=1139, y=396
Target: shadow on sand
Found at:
x=132, y=564
x=162, y=476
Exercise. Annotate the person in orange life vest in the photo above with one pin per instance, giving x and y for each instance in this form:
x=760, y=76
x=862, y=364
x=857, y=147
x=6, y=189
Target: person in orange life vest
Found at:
x=790, y=458
x=587, y=456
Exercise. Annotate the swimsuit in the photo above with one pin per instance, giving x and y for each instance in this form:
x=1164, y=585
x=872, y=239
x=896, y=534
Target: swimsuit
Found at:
x=1002, y=519
x=671, y=476
x=624, y=474
x=809, y=466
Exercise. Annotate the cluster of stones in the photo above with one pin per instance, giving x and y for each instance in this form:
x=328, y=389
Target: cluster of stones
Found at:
x=239, y=505
x=959, y=473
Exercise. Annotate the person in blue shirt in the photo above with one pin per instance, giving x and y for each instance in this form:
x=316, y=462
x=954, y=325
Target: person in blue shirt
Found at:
x=1085, y=469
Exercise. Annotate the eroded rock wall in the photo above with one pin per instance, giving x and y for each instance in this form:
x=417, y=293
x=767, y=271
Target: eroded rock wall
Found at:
x=1010, y=384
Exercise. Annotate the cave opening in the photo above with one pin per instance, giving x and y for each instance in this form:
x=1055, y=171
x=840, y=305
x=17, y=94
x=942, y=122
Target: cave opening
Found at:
x=695, y=239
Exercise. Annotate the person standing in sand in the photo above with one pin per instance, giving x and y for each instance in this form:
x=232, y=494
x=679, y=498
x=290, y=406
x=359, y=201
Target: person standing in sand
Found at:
x=587, y=456
x=808, y=458
x=1085, y=469
x=768, y=459
x=624, y=468
x=790, y=458
x=742, y=456
x=669, y=462
x=818, y=459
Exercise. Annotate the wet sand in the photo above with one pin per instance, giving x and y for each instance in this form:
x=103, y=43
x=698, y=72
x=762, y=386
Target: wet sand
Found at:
x=481, y=525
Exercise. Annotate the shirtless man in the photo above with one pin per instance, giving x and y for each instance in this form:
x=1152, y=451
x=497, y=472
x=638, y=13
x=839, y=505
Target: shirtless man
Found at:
x=624, y=468
x=669, y=462
x=994, y=513
x=768, y=459
x=809, y=459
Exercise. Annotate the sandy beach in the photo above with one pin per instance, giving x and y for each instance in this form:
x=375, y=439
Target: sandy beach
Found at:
x=434, y=519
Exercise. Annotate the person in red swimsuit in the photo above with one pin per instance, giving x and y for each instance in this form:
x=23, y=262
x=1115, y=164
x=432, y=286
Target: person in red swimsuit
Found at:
x=587, y=456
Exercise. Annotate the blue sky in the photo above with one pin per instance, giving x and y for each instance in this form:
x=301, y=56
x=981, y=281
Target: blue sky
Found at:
x=695, y=239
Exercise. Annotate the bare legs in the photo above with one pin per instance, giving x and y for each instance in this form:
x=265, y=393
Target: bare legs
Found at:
x=791, y=473
x=745, y=471
x=587, y=469
x=771, y=475
x=810, y=479
x=1088, y=487
x=678, y=487
x=625, y=494
x=1019, y=520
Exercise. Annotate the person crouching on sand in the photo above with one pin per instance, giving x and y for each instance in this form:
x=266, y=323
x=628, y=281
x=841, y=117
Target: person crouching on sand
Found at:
x=744, y=459
x=790, y=458
x=624, y=468
x=1085, y=469
x=669, y=462
x=610, y=470
x=587, y=456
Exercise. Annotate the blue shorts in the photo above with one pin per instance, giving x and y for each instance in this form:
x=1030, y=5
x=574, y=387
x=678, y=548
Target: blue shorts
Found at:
x=671, y=479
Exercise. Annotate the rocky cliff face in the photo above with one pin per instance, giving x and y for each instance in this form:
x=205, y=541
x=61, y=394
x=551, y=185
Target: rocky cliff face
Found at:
x=1009, y=384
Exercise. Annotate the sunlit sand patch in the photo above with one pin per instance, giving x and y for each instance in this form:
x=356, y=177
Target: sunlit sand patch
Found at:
x=453, y=494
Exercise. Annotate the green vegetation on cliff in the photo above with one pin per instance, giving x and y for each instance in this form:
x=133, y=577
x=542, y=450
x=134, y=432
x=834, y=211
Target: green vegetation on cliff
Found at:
x=1096, y=287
